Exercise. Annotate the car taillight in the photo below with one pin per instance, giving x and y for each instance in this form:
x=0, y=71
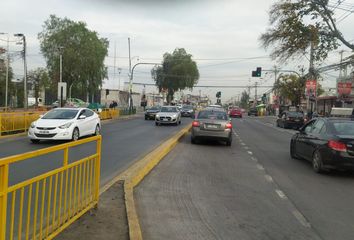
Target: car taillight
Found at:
x=287, y=118
x=338, y=146
x=195, y=124
x=228, y=126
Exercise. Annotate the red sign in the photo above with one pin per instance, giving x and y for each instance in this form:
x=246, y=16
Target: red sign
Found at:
x=344, y=88
x=311, y=86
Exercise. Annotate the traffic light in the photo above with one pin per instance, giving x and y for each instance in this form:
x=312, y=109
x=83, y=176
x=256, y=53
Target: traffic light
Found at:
x=257, y=73
x=218, y=94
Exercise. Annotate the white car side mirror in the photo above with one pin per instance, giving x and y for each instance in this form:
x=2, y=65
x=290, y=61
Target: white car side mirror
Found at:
x=82, y=117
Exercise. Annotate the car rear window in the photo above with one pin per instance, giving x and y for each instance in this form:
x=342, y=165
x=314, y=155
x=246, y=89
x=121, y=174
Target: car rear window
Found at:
x=344, y=128
x=212, y=115
x=295, y=114
x=168, y=109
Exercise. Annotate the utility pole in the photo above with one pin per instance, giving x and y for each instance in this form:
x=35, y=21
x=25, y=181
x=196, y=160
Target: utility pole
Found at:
x=7, y=73
x=255, y=93
x=130, y=79
x=114, y=63
x=25, y=102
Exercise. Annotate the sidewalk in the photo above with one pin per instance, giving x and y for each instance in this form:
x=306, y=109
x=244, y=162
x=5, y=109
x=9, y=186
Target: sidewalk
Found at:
x=107, y=222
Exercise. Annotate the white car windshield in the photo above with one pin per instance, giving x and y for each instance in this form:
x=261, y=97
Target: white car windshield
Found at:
x=61, y=114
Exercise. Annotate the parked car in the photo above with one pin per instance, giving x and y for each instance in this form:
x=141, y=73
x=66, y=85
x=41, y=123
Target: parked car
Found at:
x=65, y=124
x=187, y=111
x=235, y=112
x=168, y=115
x=151, y=112
x=75, y=102
x=212, y=124
x=253, y=112
x=326, y=142
x=288, y=119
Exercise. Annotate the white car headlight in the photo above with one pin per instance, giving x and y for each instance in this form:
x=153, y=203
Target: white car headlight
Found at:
x=158, y=116
x=33, y=125
x=66, y=125
x=174, y=116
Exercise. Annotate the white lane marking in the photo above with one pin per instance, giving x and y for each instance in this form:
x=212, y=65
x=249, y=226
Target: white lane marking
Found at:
x=268, y=178
x=254, y=159
x=243, y=144
x=260, y=167
x=298, y=215
x=250, y=153
x=245, y=147
x=281, y=194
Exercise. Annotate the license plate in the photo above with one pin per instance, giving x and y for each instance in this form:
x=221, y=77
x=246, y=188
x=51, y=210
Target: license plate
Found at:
x=212, y=126
x=297, y=120
x=165, y=119
x=44, y=132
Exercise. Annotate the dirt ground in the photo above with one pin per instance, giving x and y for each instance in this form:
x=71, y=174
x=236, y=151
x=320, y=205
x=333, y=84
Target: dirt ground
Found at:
x=107, y=222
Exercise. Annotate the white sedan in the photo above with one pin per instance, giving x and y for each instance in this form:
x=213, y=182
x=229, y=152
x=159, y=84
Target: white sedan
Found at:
x=65, y=124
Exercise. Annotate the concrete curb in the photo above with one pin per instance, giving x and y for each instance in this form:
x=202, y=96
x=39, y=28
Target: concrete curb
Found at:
x=136, y=173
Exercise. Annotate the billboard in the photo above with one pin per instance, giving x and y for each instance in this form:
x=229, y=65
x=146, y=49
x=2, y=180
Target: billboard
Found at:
x=344, y=88
x=311, y=86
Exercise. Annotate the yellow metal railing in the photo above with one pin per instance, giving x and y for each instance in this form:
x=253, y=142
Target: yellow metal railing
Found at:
x=43, y=206
x=109, y=114
x=11, y=122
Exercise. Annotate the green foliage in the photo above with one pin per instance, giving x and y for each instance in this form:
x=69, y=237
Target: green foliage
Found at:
x=178, y=72
x=297, y=24
x=244, y=100
x=39, y=79
x=293, y=88
x=83, y=54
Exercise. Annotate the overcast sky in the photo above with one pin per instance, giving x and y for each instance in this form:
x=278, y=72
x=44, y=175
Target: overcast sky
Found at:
x=222, y=36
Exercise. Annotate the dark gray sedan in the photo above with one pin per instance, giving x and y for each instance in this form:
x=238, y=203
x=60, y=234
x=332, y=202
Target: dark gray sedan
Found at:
x=212, y=123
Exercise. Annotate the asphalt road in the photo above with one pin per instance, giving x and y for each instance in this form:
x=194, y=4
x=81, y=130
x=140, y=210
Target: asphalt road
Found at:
x=123, y=142
x=253, y=190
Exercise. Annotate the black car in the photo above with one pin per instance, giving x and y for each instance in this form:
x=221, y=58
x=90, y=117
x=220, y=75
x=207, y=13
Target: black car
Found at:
x=326, y=142
x=253, y=112
x=187, y=111
x=150, y=113
x=289, y=119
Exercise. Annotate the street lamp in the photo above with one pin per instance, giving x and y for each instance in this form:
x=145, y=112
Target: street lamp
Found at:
x=61, y=71
x=24, y=68
x=131, y=82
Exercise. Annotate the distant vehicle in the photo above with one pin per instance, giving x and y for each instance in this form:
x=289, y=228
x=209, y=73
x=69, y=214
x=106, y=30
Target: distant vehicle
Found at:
x=168, y=115
x=326, y=142
x=187, y=111
x=65, y=124
x=75, y=102
x=212, y=124
x=215, y=106
x=235, y=112
x=253, y=112
x=290, y=119
x=151, y=112
x=55, y=104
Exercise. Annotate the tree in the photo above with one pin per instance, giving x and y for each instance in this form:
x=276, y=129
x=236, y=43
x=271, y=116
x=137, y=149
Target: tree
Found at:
x=177, y=72
x=296, y=25
x=292, y=87
x=39, y=79
x=3, y=82
x=83, y=55
x=245, y=97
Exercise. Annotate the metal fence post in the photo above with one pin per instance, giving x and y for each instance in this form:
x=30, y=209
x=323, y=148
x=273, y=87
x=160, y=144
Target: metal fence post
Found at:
x=0, y=124
x=4, y=178
x=97, y=170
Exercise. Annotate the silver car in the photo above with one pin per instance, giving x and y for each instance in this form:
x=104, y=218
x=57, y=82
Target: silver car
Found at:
x=168, y=115
x=212, y=123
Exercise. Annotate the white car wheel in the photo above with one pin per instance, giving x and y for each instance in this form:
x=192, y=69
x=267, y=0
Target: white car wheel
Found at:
x=76, y=134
